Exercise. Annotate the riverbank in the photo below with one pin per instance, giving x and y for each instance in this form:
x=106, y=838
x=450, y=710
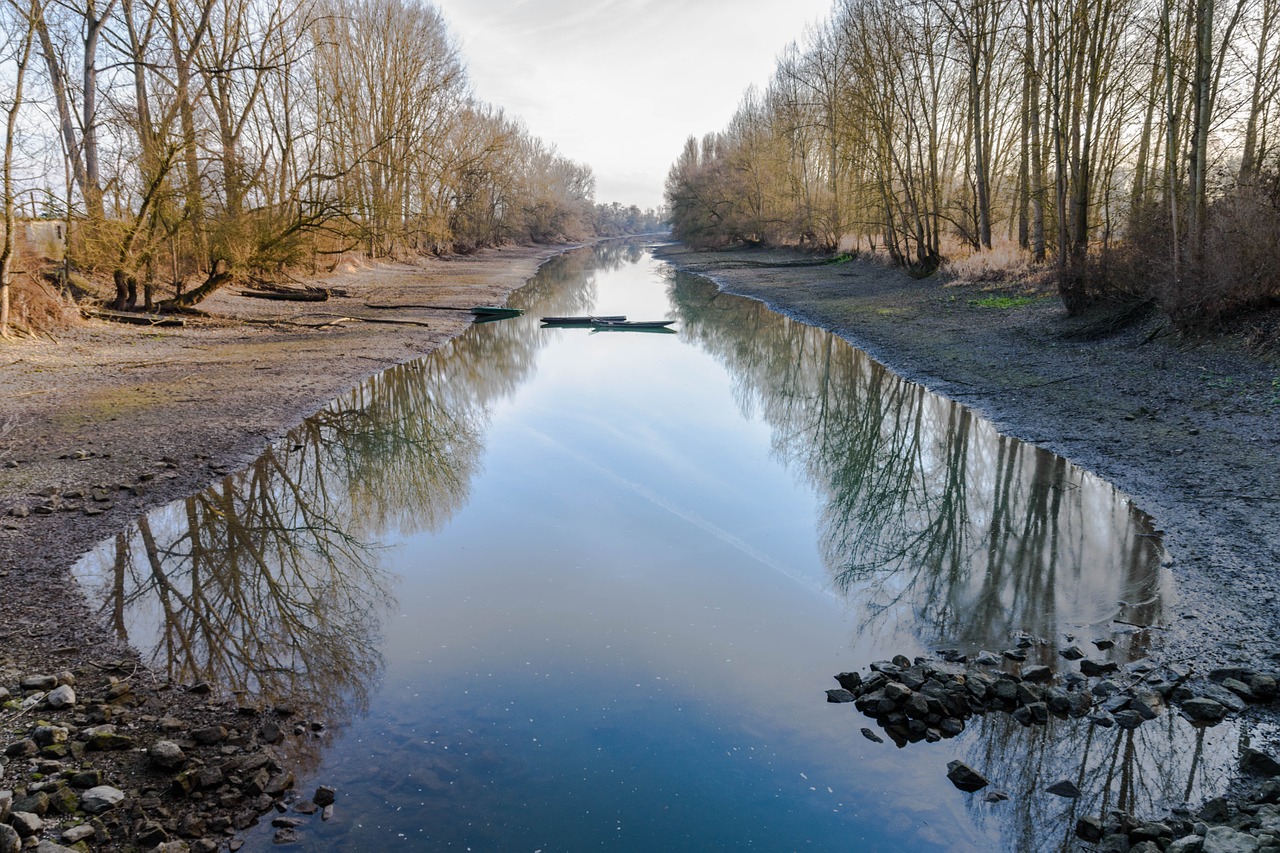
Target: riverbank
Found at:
x=1189, y=429
x=109, y=421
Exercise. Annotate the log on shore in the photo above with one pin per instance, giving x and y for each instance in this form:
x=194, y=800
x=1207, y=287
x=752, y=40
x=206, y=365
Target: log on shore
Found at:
x=288, y=295
x=133, y=318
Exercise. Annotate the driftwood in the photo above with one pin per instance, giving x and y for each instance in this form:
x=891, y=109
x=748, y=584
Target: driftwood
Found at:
x=133, y=318
x=288, y=295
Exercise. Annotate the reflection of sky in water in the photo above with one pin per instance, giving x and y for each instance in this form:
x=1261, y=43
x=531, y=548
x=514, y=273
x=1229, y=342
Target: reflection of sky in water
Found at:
x=618, y=633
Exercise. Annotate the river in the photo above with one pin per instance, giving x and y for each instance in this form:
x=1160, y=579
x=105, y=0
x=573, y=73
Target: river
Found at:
x=556, y=589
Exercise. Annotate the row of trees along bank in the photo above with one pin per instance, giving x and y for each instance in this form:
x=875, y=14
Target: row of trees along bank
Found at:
x=190, y=141
x=1131, y=145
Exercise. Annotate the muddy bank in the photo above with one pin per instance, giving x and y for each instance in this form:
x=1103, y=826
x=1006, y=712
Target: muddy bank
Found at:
x=1190, y=430
x=109, y=421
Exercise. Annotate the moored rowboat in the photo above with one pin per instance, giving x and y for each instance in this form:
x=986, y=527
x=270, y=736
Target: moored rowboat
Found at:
x=583, y=321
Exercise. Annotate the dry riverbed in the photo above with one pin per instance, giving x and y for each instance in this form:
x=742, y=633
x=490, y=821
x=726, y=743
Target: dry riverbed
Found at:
x=110, y=421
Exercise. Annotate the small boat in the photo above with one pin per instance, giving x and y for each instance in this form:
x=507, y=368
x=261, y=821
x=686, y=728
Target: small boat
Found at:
x=583, y=321
x=632, y=324
x=496, y=311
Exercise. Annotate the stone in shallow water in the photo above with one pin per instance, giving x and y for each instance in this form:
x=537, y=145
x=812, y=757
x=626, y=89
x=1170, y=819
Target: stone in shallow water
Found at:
x=840, y=695
x=1064, y=788
x=965, y=777
x=872, y=736
x=1203, y=710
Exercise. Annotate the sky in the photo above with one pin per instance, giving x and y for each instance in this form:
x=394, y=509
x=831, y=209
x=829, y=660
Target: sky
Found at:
x=620, y=84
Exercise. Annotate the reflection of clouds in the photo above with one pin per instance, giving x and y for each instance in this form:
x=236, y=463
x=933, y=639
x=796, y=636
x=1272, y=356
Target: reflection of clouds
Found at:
x=930, y=517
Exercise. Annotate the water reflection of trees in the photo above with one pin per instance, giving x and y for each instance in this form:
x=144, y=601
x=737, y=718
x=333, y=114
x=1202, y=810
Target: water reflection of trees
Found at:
x=925, y=507
x=932, y=519
x=1138, y=771
x=268, y=583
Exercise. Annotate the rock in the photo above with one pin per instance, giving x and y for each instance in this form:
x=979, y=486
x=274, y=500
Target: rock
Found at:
x=26, y=823
x=839, y=695
x=1201, y=710
x=36, y=802
x=1117, y=842
x=1037, y=673
x=1093, y=668
x=961, y=775
x=1089, y=828
x=987, y=659
x=872, y=736
x=83, y=832
x=25, y=748
x=951, y=726
x=1145, y=847
x=1239, y=688
x=994, y=797
x=326, y=796
x=209, y=736
x=167, y=755
x=1015, y=654
x=1216, y=810
x=1064, y=788
x=47, y=735
x=10, y=841
x=308, y=807
x=101, y=799
x=1071, y=653
x=1186, y=844
x=61, y=697
x=151, y=834
x=272, y=733
x=285, y=836
x=1263, y=687
x=1128, y=719
x=1103, y=644
x=1146, y=706
x=1257, y=763
x=850, y=681
x=108, y=741
x=1224, y=839
x=38, y=682
x=279, y=784
x=87, y=779
x=6, y=805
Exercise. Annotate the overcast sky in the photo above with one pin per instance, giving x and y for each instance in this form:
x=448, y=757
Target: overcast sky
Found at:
x=620, y=84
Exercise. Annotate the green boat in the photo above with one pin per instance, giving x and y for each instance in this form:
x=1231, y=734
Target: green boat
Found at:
x=496, y=311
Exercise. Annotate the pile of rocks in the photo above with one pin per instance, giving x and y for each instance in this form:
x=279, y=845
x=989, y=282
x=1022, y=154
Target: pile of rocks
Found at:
x=923, y=699
x=1220, y=827
x=112, y=770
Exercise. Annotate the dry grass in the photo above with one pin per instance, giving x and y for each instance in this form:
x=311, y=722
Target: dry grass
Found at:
x=1006, y=268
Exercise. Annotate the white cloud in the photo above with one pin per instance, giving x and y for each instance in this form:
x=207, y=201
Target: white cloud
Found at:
x=619, y=84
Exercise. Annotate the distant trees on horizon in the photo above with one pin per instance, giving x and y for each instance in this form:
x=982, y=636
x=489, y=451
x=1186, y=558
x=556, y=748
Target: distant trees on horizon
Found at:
x=1130, y=144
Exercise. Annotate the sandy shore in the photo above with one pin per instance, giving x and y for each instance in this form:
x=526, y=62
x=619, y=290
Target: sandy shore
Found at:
x=1190, y=430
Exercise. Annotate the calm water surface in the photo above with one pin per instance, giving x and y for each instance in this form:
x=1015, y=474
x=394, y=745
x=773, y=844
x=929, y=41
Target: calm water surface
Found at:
x=555, y=590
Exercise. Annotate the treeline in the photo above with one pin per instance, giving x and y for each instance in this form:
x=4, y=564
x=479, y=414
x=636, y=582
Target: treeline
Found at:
x=1129, y=144
x=185, y=142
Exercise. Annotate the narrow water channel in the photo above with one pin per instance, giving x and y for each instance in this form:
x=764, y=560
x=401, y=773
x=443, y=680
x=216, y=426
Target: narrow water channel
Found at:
x=550, y=589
